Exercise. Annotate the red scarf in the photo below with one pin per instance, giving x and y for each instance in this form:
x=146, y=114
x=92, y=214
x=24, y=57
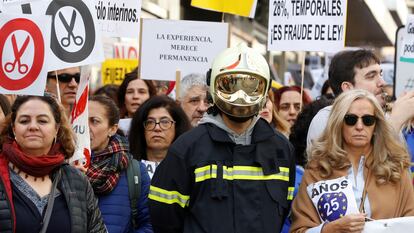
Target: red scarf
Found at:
x=37, y=166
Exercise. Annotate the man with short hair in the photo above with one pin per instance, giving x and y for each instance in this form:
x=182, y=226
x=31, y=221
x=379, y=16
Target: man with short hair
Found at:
x=358, y=69
x=193, y=97
x=68, y=80
x=233, y=172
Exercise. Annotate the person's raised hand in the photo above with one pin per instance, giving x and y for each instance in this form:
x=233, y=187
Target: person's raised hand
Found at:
x=352, y=223
x=402, y=110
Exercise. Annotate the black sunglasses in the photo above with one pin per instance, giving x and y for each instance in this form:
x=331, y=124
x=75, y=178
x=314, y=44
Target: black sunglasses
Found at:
x=367, y=120
x=65, y=77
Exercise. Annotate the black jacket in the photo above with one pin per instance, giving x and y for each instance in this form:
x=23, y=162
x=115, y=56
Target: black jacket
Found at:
x=82, y=204
x=207, y=183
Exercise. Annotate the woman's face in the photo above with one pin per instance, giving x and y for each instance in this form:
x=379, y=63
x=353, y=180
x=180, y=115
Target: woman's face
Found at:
x=158, y=138
x=359, y=135
x=99, y=128
x=136, y=94
x=35, y=127
x=267, y=112
x=289, y=107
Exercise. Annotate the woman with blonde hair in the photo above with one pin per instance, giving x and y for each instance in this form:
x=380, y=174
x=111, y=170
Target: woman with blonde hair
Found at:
x=356, y=166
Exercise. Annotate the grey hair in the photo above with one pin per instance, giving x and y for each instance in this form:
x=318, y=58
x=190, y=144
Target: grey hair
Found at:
x=191, y=80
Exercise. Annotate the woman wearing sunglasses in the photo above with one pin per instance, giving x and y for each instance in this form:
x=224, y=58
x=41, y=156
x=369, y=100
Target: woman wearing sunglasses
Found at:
x=358, y=171
x=155, y=125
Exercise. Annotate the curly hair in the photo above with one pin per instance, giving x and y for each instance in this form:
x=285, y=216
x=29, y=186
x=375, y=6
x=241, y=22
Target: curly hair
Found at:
x=65, y=135
x=388, y=158
x=137, y=142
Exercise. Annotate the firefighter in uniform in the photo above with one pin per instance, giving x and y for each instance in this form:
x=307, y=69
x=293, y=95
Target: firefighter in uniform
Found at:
x=233, y=172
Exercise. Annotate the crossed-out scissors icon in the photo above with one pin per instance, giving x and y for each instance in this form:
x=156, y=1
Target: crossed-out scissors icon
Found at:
x=21, y=68
x=65, y=41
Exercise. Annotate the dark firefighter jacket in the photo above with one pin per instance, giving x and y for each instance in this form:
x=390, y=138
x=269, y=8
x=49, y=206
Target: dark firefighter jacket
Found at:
x=207, y=183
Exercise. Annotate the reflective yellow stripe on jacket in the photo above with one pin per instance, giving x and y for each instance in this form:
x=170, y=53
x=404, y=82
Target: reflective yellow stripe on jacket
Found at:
x=239, y=173
x=290, y=193
x=168, y=197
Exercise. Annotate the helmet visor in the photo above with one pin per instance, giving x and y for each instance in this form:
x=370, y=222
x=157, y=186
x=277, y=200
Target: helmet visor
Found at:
x=249, y=87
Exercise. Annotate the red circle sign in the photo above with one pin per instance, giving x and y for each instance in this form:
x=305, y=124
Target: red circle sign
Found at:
x=39, y=52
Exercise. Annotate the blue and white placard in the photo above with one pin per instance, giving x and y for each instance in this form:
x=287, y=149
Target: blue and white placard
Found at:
x=333, y=199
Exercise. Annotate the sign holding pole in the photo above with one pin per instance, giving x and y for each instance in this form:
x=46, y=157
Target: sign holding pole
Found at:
x=309, y=25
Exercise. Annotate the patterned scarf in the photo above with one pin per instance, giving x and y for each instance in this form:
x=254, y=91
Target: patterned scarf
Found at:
x=106, y=165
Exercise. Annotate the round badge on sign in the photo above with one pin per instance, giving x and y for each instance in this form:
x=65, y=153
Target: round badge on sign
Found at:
x=332, y=206
x=29, y=72
x=333, y=199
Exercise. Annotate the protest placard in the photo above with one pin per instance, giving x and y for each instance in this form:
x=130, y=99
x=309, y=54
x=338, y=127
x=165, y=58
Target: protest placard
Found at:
x=307, y=25
x=74, y=39
x=79, y=119
x=407, y=46
x=118, y=18
x=151, y=167
x=238, y=7
x=23, y=54
x=187, y=46
x=393, y=225
x=125, y=50
x=404, y=63
x=113, y=70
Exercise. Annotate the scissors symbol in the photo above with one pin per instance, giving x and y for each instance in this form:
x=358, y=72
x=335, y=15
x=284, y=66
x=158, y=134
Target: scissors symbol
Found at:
x=22, y=68
x=65, y=41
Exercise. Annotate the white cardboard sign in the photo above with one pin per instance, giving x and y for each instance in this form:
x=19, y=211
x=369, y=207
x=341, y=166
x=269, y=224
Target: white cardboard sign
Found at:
x=309, y=25
x=333, y=198
x=74, y=37
x=187, y=46
x=404, y=78
x=393, y=225
x=24, y=42
x=118, y=18
x=151, y=167
x=79, y=119
x=407, y=47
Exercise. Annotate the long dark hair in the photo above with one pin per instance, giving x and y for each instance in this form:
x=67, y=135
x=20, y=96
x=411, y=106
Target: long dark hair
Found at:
x=137, y=142
x=124, y=85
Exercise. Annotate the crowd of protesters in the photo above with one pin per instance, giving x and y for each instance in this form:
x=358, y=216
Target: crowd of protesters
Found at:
x=231, y=153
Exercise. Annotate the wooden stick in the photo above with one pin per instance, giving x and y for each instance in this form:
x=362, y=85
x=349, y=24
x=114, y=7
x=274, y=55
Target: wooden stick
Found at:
x=57, y=87
x=177, y=84
x=303, y=79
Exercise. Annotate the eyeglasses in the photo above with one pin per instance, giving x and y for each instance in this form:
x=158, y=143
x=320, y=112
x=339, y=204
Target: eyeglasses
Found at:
x=367, y=120
x=65, y=77
x=163, y=123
